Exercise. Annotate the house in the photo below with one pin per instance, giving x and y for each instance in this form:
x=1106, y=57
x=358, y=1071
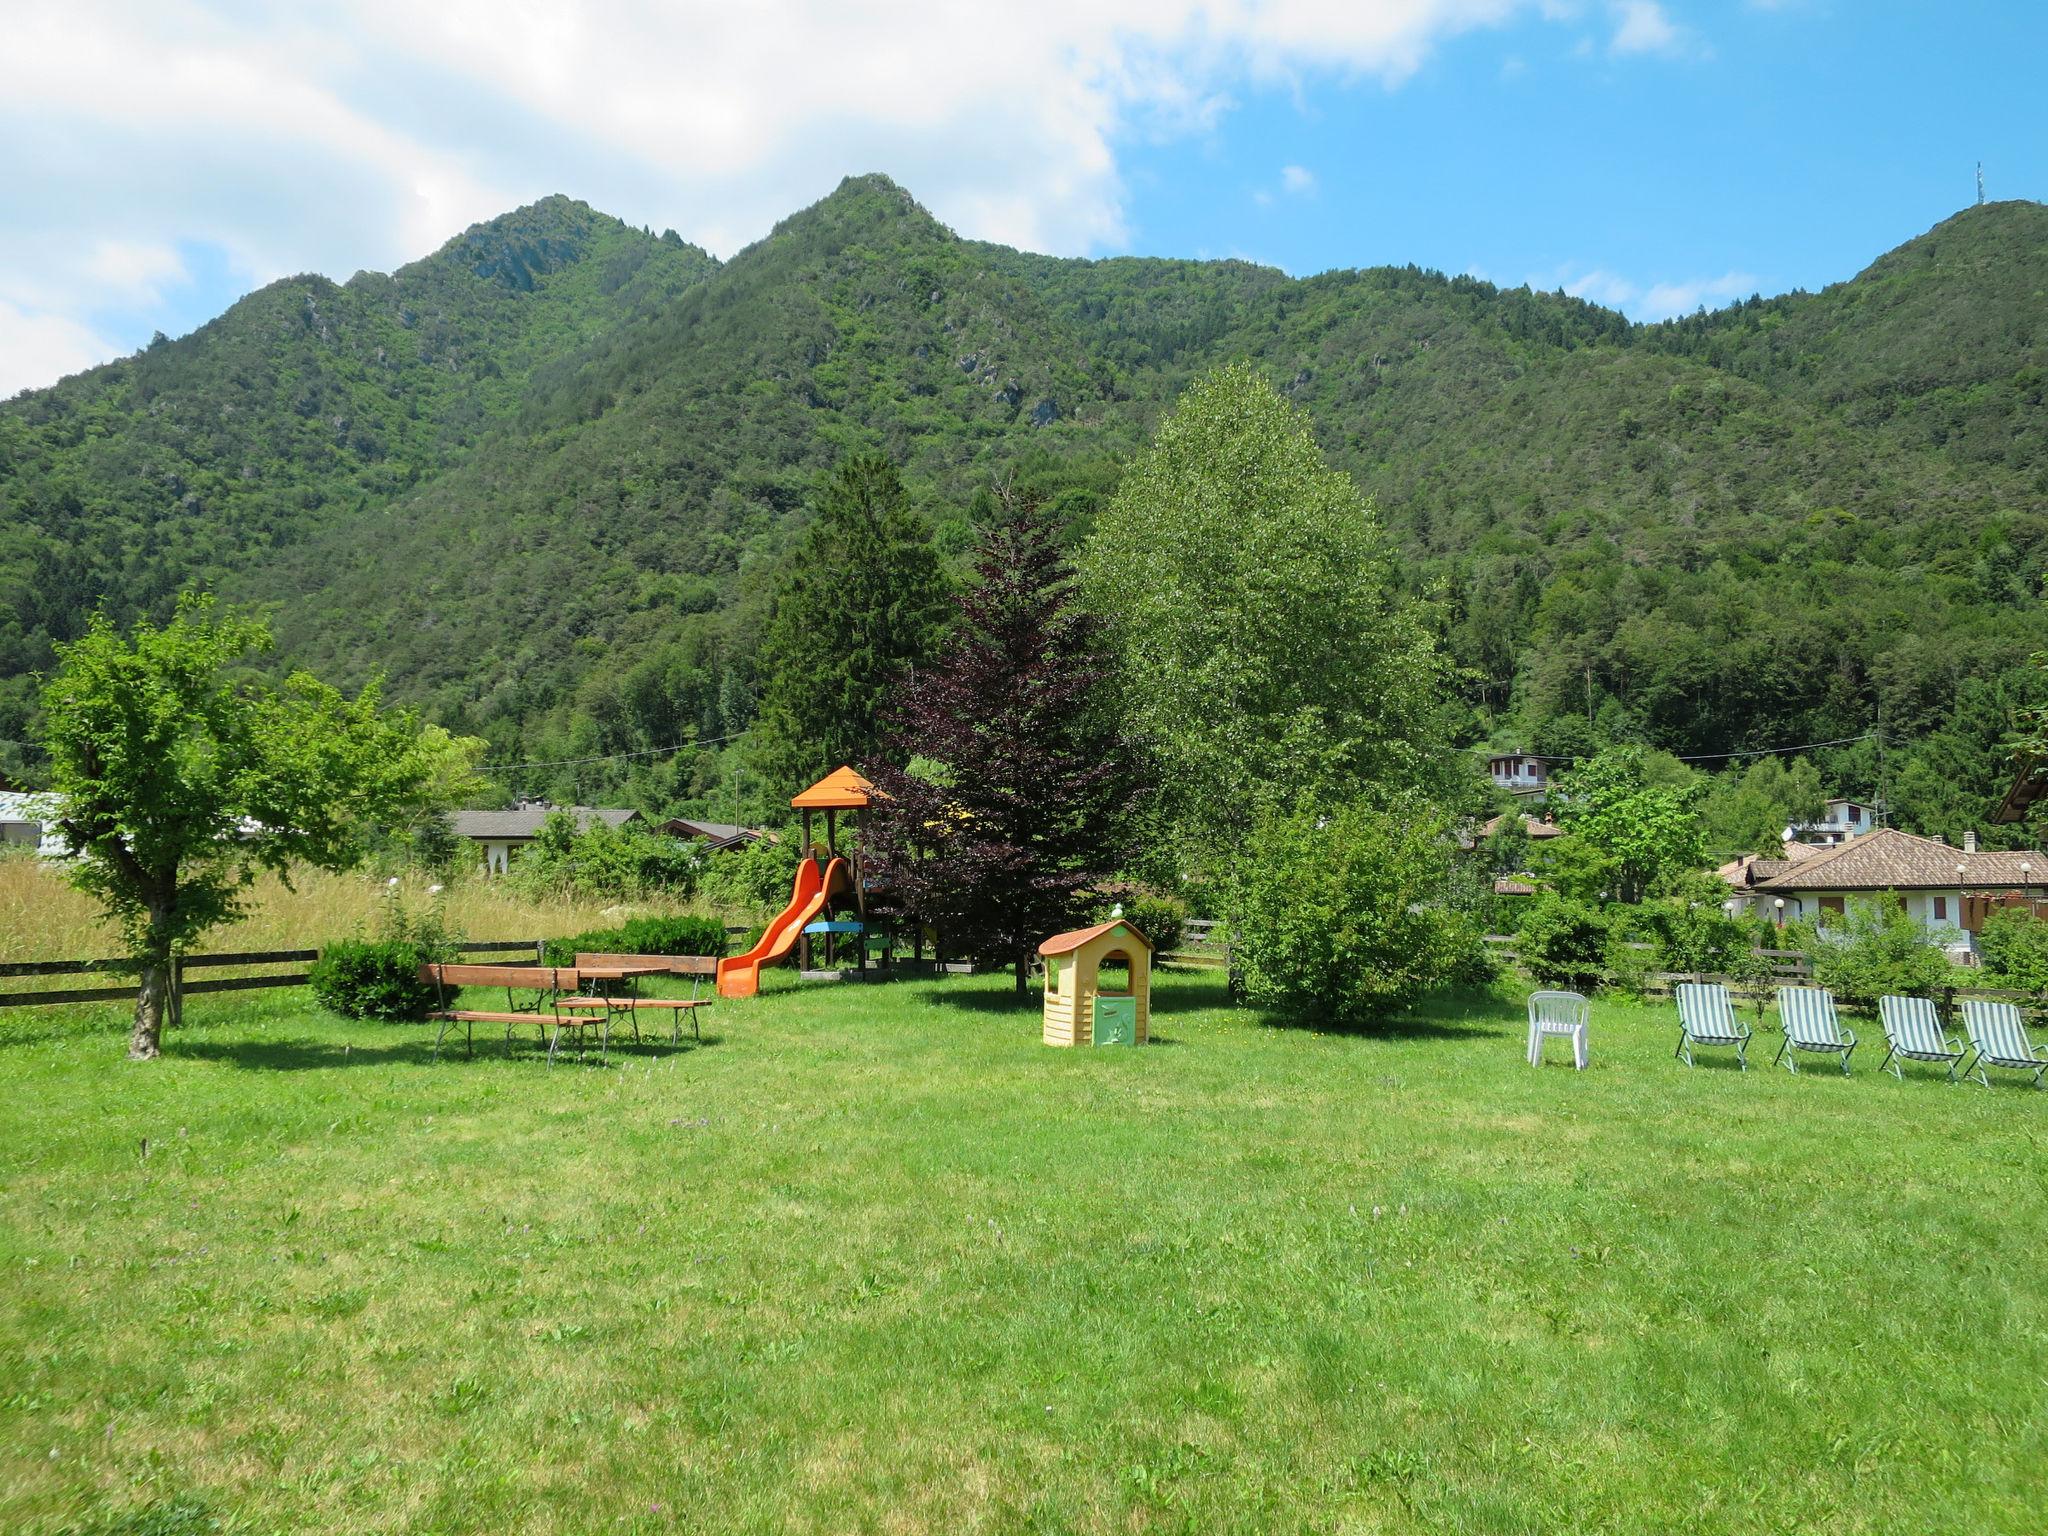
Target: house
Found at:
x=2029, y=785
x=715, y=836
x=501, y=834
x=1941, y=887
x=28, y=820
x=1743, y=874
x=1521, y=774
x=1839, y=821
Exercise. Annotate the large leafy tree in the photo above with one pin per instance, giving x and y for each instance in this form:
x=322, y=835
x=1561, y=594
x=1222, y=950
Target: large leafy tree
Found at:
x=1748, y=809
x=860, y=601
x=180, y=777
x=1005, y=787
x=1259, y=632
x=1634, y=818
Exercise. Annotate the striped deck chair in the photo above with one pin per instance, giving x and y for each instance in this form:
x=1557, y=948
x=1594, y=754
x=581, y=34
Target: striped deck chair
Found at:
x=2000, y=1040
x=1913, y=1031
x=1808, y=1014
x=1707, y=1017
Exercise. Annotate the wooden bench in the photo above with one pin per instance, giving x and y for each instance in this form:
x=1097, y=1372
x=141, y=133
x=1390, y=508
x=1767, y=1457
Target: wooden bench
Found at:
x=548, y=983
x=696, y=967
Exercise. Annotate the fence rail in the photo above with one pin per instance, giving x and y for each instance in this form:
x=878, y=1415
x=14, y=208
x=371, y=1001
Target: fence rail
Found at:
x=127, y=967
x=1203, y=941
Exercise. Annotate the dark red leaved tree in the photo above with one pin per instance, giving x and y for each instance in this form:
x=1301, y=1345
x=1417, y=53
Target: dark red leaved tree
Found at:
x=1007, y=787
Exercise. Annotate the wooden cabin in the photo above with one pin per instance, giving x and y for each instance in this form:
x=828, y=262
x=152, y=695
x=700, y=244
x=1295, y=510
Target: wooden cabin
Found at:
x=1098, y=986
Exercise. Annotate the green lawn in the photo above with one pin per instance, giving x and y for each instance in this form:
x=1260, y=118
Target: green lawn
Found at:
x=874, y=1259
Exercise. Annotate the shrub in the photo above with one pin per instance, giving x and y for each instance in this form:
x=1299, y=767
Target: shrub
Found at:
x=379, y=978
x=1695, y=932
x=1564, y=942
x=1876, y=950
x=2014, y=944
x=603, y=861
x=755, y=878
x=1162, y=919
x=372, y=979
x=1341, y=917
x=643, y=936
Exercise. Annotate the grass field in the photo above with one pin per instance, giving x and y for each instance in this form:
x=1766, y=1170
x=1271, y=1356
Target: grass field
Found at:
x=872, y=1259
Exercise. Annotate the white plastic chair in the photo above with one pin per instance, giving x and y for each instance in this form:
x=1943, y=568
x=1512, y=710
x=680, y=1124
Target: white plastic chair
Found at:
x=1557, y=1013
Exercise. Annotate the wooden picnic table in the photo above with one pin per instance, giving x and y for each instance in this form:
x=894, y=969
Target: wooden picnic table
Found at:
x=618, y=992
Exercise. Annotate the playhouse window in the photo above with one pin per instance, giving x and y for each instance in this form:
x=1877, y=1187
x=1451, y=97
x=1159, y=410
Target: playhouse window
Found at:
x=1113, y=974
x=1052, y=975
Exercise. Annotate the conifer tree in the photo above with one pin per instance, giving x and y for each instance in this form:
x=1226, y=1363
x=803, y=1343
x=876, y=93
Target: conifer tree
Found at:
x=860, y=601
x=1006, y=788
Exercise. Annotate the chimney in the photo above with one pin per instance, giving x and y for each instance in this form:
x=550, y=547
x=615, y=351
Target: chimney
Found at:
x=1969, y=842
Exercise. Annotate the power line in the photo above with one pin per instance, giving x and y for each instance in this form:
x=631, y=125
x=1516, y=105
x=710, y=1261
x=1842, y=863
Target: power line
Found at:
x=1693, y=757
x=1804, y=746
x=609, y=757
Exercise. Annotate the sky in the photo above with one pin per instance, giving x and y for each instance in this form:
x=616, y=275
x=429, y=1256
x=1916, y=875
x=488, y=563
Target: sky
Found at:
x=163, y=158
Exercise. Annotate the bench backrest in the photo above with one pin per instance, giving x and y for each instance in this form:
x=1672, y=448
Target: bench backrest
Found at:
x=675, y=965
x=1911, y=1024
x=1808, y=1014
x=1704, y=1011
x=1995, y=1030
x=540, y=978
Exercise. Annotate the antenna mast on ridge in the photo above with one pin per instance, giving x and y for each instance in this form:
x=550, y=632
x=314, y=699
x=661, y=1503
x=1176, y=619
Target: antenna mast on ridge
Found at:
x=1980, y=183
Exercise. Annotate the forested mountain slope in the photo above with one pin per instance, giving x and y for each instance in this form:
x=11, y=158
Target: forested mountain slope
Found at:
x=302, y=407
x=1793, y=520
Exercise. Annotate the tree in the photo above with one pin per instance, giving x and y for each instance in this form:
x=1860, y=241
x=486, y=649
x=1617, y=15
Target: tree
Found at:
x=1637, y=816
x=1257, y=625
x=180, y=778
x=1016, y=803
x=1748, y=810
x=859, y=602
x=1342, y=917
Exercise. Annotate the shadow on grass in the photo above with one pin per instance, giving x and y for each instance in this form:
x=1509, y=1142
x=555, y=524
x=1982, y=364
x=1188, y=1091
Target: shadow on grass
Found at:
x=324, y=1055
x=1006, y=1002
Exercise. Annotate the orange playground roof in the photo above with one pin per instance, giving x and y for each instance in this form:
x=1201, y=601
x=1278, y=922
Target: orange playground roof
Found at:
x=1066, y=943
x=840, y=790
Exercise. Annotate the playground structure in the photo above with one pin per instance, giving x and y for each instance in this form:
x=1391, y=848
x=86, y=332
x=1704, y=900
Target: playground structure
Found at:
x=1079, y=1008
x=826, y=882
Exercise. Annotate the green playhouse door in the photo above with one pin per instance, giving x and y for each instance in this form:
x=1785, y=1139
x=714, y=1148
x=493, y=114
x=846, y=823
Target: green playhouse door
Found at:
x=1116, y=1021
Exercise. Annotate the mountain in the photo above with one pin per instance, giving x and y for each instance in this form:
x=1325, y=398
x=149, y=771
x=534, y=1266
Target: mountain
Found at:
x=304, y=406
x=542, y=478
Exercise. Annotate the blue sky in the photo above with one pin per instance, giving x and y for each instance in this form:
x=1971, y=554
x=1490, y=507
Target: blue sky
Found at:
x=1649, y=154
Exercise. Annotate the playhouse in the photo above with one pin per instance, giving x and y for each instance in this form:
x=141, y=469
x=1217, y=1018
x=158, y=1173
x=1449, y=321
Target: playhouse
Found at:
x=1098, y=985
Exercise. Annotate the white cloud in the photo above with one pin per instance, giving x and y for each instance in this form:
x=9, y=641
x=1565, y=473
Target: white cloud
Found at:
x=1660, y=300
x=1640, y=26
x=342, y=134
x=38, y=349
x=1664, y=300
x=1297, y=179
x=134, y=269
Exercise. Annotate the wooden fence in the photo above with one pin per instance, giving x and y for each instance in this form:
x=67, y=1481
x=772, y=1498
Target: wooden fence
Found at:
x=181, y=987
x=1203, y=941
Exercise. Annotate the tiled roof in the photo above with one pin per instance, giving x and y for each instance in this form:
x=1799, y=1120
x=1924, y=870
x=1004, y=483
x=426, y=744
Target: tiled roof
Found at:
x=1539, y=830
x=1891, y=860
x=525, y=821
x=1065, y=943
x=717, y=831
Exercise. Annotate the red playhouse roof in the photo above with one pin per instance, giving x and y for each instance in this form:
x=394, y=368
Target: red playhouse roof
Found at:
x=1065, y=943
x=840, y=790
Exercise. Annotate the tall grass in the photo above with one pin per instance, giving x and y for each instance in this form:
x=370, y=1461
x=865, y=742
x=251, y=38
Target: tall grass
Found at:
x=43, y=918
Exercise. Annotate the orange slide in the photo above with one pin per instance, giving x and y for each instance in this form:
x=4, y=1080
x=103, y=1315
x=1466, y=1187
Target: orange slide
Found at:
x=816, y=885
